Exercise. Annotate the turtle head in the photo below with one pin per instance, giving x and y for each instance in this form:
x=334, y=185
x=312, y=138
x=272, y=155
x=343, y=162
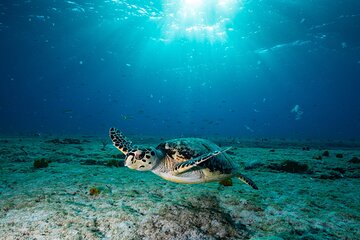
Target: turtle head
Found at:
x=142, y=159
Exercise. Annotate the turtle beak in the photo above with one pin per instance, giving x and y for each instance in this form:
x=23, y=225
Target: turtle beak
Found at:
x=127, y=161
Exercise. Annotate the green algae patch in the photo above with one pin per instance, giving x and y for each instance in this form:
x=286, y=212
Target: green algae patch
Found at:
x=290, y=166
x=41, y=163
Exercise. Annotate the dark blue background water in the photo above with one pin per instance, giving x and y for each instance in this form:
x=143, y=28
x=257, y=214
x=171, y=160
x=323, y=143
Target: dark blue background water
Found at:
x=79, y=67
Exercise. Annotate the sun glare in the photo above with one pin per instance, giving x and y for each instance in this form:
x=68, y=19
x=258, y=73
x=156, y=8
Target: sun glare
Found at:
x=200, y=19
x=193, y=3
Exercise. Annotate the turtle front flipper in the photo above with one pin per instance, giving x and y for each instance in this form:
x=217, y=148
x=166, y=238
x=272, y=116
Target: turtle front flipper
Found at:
x=189, y=164
x=120, y=141
x=246, y=180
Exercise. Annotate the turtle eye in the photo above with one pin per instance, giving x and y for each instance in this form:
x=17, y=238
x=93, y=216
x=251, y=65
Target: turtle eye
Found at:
x=141, y=155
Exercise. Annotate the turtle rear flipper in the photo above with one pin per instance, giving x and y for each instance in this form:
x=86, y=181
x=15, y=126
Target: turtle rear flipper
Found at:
x=247, y=180
x=120, y=141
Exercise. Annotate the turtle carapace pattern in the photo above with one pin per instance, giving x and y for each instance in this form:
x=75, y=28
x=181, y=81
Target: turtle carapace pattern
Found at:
x=183, y=160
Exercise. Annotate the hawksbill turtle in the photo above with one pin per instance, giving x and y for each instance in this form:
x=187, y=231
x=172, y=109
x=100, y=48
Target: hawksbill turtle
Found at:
x=183, y=160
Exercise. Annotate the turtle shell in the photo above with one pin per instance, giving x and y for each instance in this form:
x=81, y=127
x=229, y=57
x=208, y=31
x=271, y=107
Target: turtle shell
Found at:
x=183, y=149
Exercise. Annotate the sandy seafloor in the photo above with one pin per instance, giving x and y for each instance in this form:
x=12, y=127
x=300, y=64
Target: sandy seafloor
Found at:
x=321, y=202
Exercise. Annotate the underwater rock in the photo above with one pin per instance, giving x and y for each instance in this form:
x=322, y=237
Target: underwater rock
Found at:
x=41, y=163
x=90, y=162
x=64, y=141
x=54, y=141
x=326, y=153
x=354, y=160
x=71, y=141
x=199, y=220
x=289, y=166
x=115, y=163
x=331, y=176
x=317, y=157
x=272, y=150
x=109, y=163
x=339, y=155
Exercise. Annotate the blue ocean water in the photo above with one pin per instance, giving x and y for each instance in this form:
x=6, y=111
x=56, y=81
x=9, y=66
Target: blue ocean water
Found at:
x=282, y=68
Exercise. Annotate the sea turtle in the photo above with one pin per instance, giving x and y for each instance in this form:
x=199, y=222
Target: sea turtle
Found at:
x=183, y=160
